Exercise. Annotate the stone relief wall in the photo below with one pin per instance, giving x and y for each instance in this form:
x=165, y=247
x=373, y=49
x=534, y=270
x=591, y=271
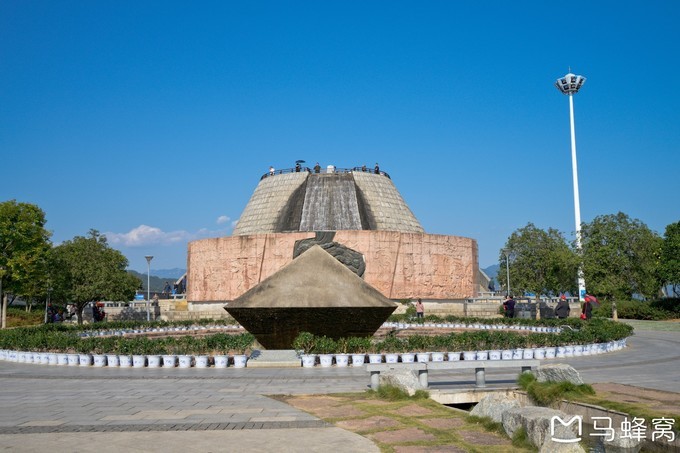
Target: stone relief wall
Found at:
x=399, y=265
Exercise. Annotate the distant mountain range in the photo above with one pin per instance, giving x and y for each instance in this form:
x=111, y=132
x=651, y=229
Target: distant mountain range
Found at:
x=173, y=273
x=492, y=271
x=157, y=283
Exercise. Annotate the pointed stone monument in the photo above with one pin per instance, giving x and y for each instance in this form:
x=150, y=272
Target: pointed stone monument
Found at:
x=313, y=293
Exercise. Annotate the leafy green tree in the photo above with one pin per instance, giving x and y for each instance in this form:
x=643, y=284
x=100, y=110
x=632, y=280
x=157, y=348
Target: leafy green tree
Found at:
x=669, y=269
x=90, y=270
x=540, y=262
x=24, y=244
x=620, y=257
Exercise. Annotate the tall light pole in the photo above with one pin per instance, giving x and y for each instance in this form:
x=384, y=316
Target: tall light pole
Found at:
x=507, y=269
x=569, y=85
x=148, y=285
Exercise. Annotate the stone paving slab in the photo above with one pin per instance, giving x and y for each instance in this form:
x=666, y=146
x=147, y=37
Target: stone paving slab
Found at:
x=303, y=440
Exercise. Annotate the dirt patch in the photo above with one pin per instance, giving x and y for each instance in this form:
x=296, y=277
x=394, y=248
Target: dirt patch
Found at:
x=433, y=449
x=481, y=438
x=655, y=399
x=412, y=410
x=442, y=423
x=305, y=402
x=367, y=424
x=402, y=435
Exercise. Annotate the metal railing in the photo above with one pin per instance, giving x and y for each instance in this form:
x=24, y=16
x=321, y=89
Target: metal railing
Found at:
x=324, y=171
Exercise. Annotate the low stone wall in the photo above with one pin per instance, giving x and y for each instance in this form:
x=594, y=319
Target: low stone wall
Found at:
x=478, y=308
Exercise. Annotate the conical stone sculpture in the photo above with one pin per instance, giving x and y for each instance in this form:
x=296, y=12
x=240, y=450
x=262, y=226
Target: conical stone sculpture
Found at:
x=314, y=293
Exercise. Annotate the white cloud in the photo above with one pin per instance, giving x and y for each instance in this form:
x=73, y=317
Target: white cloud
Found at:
x=222, y=219
x=145, y=235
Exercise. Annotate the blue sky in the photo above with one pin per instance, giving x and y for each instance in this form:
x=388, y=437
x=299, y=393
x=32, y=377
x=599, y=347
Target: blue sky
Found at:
x=153, y=121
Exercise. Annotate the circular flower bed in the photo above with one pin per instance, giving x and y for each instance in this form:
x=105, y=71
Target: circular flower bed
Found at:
x=208, y=344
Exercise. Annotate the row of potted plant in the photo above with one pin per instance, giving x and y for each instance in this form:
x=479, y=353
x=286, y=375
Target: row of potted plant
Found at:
x=595, y=337
x=125, y=360
x=47, y=345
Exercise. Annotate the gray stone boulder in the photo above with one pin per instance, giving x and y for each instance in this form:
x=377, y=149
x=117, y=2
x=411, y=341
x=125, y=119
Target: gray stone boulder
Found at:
x=493, y=406
x=536, y=421
x=620, y=444
x=406, y=380
x=558, y=372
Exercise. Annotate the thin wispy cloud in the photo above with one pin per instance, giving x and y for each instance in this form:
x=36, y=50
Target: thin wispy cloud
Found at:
x=221, y=220
x=145, y=235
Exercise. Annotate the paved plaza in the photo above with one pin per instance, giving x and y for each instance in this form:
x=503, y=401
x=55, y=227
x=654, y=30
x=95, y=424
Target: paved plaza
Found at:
x=48, y=408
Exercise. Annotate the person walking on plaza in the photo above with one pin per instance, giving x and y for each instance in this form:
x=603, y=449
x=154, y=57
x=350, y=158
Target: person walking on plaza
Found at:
x=562, y=309
x=509, y=306
x=587, y=307
x=420, y=309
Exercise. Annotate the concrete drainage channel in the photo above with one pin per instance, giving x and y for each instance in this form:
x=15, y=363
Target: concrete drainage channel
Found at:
x=597, y=428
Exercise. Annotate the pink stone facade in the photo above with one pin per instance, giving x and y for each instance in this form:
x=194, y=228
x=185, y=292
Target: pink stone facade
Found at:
x=399, y=265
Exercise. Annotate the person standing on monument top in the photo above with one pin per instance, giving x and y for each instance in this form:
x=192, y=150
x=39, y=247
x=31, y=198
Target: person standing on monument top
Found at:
x=317, y=168
x=377, y=168
x=420, y=309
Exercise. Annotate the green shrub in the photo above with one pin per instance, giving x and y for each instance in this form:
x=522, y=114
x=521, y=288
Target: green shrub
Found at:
x=549, y=393
x=305, y=343
x=392, y=393
x=636, y=309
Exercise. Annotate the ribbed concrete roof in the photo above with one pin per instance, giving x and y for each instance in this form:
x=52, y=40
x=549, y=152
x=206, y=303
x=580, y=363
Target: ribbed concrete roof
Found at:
x=326, y=202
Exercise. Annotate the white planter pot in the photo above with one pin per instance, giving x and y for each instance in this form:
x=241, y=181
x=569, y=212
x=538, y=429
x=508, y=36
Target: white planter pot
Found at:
x=201, y=361
x=112, y=360
x=454, y=356
x=84, y=359
x=52, y=358
x=550, y=353
x=184, y=361
x=374, y=358
x=73, y=360
x=495, y=355
x=408, y=357
x=221, y=361
x=437, y=356
x=358, y=359
x=326, y=360
x=517, y=354
x=240, y=360
x=528, y=353
x=125, y=361
x=342, y=360
x=62, y=359
x=138, y=361
x=308, y=360
x=506, y=354
x=423, y=357
x=99, y=360
x=482, y=355
x=469, y=355
x=154, y=361
x=44, y=358
x=391, y=358
x=169, y=360
x=539, y=353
